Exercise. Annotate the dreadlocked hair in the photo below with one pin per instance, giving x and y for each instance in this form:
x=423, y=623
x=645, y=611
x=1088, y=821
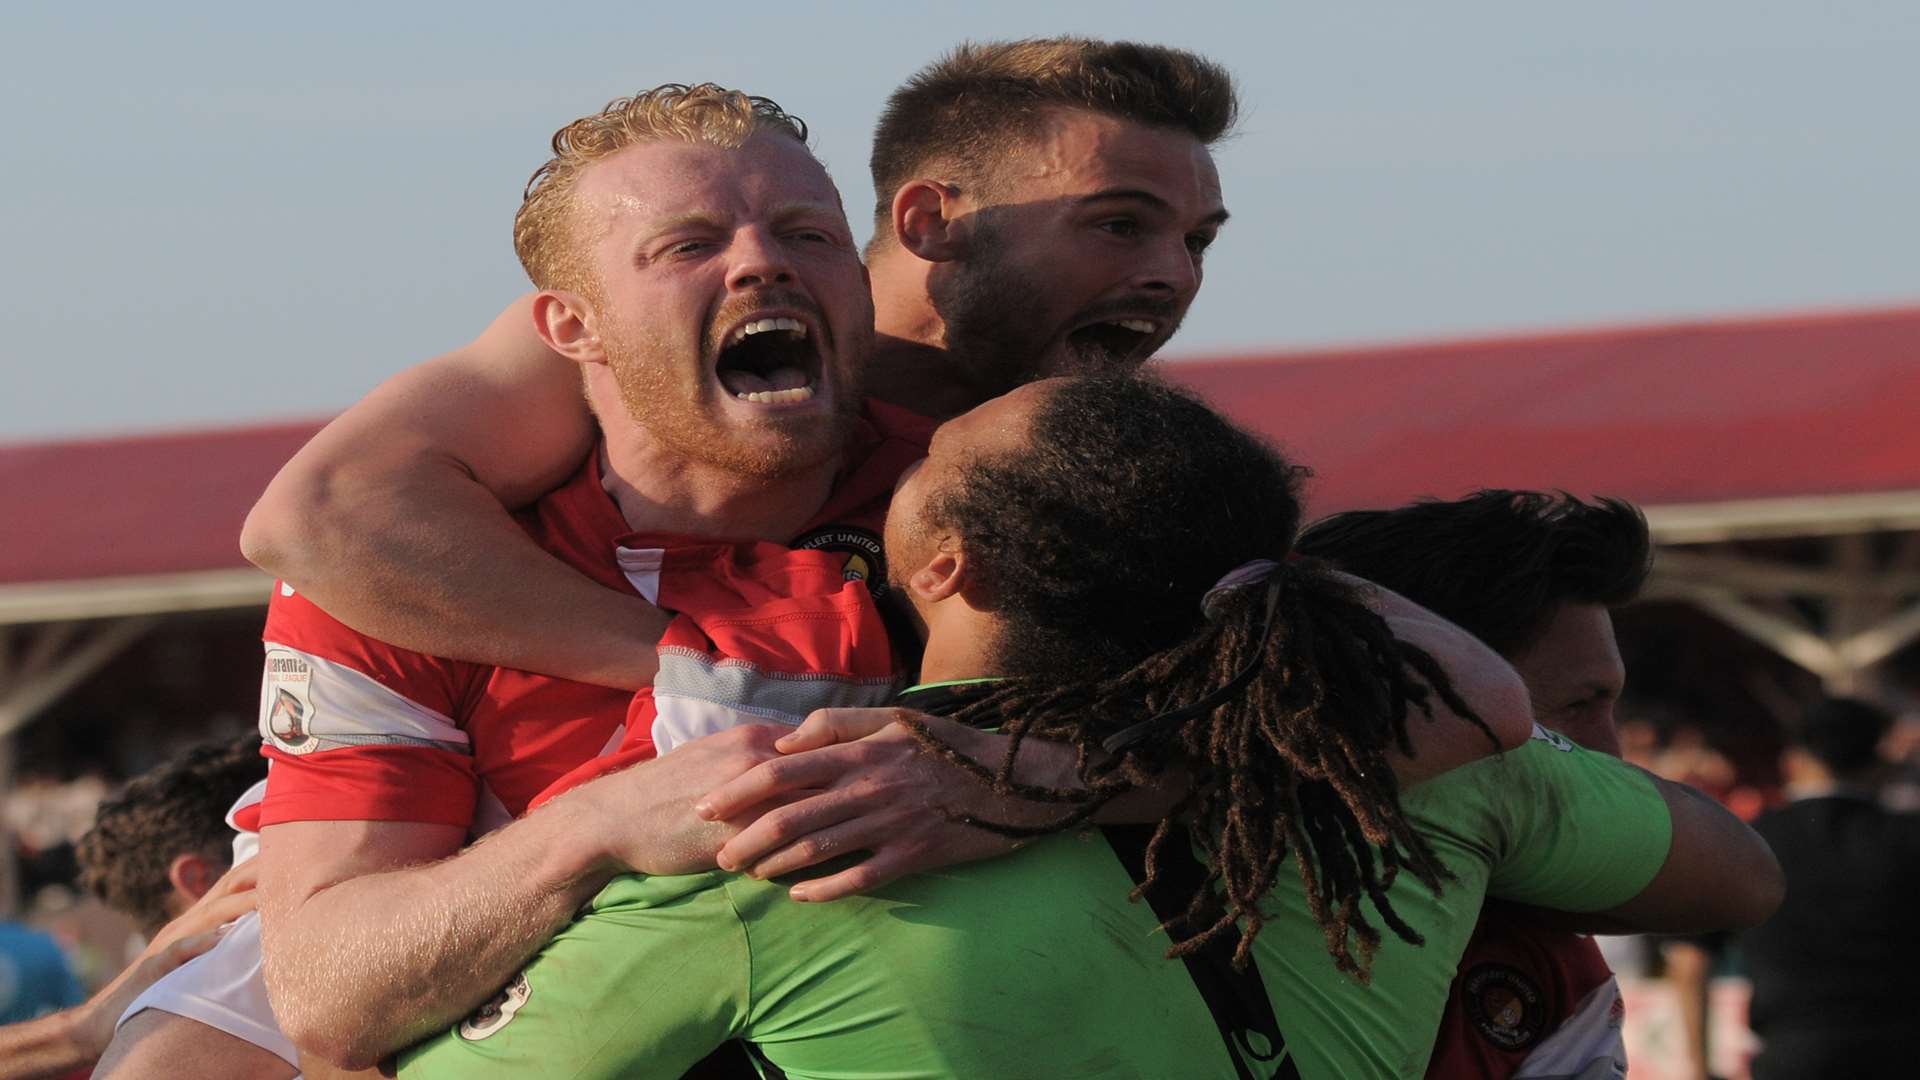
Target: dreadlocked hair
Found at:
x=1096, y=544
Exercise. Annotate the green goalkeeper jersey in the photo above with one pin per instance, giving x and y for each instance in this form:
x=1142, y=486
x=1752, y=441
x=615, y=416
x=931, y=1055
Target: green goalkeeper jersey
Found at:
x=1038, y=965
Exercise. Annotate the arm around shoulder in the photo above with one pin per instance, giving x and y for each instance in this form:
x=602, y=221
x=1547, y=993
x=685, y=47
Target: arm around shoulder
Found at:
x=1718, y=875
x=394, y=517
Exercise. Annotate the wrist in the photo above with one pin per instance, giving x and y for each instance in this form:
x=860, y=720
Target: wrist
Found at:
x=70, y=1033
x=574, y=855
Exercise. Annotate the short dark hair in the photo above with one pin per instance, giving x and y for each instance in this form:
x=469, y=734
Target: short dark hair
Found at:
x=962, y=113
x=177, y=809
x=1098, y=546
x=1844, y=734
x=1498, y=563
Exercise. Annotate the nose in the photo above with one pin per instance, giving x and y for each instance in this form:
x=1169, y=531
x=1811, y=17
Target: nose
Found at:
x=759, y=259
x=1173, y=273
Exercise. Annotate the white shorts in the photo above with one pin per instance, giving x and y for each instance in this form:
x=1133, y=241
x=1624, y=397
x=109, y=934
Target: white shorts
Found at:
x=224, y=989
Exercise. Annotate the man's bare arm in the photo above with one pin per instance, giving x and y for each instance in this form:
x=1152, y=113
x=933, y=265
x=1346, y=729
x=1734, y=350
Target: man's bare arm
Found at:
x=1718, y=875
x=393, y=518
x=375, y=934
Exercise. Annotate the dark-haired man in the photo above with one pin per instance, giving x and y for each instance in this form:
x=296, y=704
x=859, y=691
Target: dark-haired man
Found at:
x=1533, y=575
x=1833, y=969
x=162, y=853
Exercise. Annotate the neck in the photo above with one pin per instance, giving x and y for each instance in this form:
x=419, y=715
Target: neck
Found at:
x=960, y=644
x=911, y=365
x=659, y=490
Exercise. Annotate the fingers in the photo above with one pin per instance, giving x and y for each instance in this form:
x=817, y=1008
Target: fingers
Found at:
x=187, y=948
x=884, y=868
x=215, y=909
x=240, y=877
x=770, y=780
x=824, y=727
x=821, y=845
x=782, y=826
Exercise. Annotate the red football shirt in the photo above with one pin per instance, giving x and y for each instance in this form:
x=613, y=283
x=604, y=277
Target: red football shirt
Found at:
x=361, y=730
x=1530, y=1001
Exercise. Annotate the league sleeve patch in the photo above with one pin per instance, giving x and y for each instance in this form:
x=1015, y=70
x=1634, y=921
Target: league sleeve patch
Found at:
x=1506, y=1007
x=286, y=705
x=498, y=1011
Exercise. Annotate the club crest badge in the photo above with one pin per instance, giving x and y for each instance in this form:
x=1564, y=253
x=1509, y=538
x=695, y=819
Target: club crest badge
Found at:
x=286, y=703
x=498, y=1011
x=866, y=557
x=1505, y=1006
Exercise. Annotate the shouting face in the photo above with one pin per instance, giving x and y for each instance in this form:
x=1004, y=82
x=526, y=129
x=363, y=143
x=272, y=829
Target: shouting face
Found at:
x=1085, y=253
x=728, y=299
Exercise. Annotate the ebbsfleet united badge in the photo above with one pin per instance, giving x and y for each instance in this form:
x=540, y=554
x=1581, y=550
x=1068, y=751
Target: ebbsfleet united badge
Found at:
x=1505, y=1006
x=866, y=558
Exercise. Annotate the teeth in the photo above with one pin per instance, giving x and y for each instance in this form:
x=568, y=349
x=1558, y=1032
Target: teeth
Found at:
x=761, y=326
x=778, y=397
x=1138, y=326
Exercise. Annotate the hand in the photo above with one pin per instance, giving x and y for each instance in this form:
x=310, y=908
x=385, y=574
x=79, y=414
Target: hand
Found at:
x=644, y=816
x=855, y=780
x=196, y=930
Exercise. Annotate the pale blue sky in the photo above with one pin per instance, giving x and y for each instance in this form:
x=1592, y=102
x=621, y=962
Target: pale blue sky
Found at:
x=253, y=211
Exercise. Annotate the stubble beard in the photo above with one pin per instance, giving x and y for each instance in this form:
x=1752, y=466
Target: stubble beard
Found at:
x=666, y=400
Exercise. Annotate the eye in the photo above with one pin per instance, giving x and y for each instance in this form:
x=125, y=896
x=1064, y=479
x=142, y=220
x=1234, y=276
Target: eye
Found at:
x=687, y=247
x=1127, y=227
x=1198, y=243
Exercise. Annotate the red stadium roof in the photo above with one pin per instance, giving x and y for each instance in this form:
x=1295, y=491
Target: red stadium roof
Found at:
x=1685, y=413
x=1751, y=411
x=148, y=504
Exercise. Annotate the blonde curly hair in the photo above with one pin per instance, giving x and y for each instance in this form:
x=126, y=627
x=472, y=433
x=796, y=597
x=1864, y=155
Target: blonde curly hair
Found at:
x=543, y=235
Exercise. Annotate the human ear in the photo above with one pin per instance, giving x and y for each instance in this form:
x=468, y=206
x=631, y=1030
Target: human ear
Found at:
x=565, y=322
x=192, y=875
x=926, y=220
x=943, y=577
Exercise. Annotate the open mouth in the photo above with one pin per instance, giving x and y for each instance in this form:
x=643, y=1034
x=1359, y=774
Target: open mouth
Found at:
x=770, y=361
x=1115, y=340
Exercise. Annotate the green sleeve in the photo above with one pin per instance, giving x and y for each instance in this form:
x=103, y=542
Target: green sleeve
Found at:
x=1581, y=831
x=648, y=981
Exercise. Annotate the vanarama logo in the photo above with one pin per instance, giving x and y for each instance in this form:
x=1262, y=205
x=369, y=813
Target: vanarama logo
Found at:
x=866, y=560
x=286, y=703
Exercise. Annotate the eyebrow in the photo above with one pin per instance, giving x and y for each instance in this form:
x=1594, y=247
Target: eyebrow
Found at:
x=1218, y=217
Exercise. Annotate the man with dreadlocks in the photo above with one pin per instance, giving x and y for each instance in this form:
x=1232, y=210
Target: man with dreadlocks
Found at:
x=1098, y=561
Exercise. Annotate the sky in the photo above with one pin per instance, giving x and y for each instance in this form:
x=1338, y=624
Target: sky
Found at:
x=231, y=213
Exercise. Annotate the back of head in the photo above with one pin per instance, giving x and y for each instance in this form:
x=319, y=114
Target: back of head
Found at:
x=1100, y=548
x=177, y=809
x=1098, y=541
x=959, y=117
x=1844, y=735
x=1497, y=563
x=543, y=229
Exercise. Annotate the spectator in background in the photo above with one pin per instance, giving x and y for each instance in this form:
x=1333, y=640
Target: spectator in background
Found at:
x=34, y=977
x=159, y=854
x=1834, y=969
x=1533, y=575
x=164, y=841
